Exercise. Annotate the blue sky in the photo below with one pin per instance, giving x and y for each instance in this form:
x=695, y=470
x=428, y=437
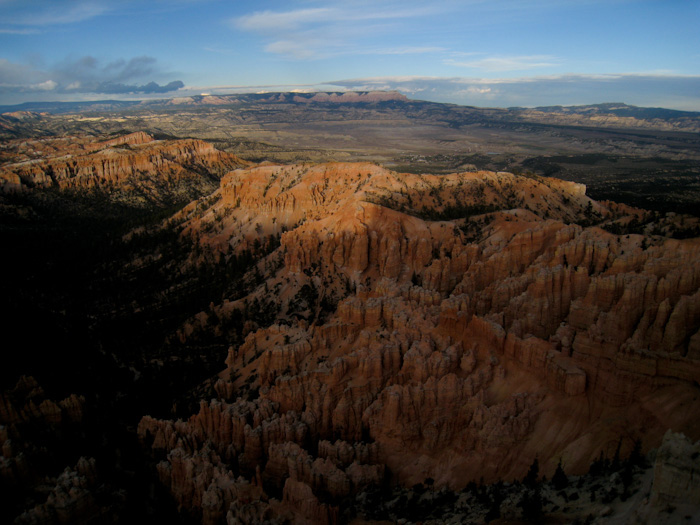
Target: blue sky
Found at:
x=476, y=52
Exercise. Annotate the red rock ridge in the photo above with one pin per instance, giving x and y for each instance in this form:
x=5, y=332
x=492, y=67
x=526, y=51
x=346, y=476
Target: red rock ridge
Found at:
x=127, y=162
x=353, y=97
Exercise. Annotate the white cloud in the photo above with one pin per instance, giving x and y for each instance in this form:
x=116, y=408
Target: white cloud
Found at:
x=265, y=21
x=270, y=21
x=48, y=85
x=336, y=30
x=507, y=63
x=475, y=90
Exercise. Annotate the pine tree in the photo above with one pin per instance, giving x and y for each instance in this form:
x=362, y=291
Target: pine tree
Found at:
x=559, y=480
x=533, y=473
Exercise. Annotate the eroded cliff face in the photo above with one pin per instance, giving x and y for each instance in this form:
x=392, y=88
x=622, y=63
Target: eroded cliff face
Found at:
x=133, y=167
x=450, y=327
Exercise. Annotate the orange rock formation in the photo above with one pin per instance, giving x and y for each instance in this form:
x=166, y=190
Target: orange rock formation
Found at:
x=132, y=163
x=451, y=327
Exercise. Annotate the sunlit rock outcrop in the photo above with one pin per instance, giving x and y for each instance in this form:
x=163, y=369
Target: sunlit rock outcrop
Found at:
x=447, y=327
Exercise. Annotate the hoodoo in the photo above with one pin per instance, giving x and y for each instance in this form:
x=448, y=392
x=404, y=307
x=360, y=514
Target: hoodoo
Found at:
x=451, y=328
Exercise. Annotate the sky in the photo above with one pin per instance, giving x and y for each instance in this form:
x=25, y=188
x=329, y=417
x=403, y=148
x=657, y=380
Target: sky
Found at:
x=488, y=53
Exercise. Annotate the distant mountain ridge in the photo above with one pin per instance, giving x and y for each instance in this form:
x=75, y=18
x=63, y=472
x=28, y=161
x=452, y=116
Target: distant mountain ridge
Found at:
x=69, y=107
x=332, y=97
x=619, y=109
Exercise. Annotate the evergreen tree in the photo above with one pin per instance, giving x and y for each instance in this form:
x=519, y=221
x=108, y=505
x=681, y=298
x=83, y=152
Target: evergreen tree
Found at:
x=559, y=480
x=598, y=466
x=533, y=473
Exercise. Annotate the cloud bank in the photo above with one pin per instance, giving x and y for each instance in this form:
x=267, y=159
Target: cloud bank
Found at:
x=85, y=75
x=151, y=87
x=675, y=92
x=505, y=63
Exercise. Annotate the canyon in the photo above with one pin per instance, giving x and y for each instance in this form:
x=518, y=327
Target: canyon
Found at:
x=316, y=342
x=406, y=348
x=644, y=157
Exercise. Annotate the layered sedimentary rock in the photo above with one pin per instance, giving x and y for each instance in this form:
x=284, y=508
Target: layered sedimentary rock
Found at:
x=450, y=327
x=133, y=165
